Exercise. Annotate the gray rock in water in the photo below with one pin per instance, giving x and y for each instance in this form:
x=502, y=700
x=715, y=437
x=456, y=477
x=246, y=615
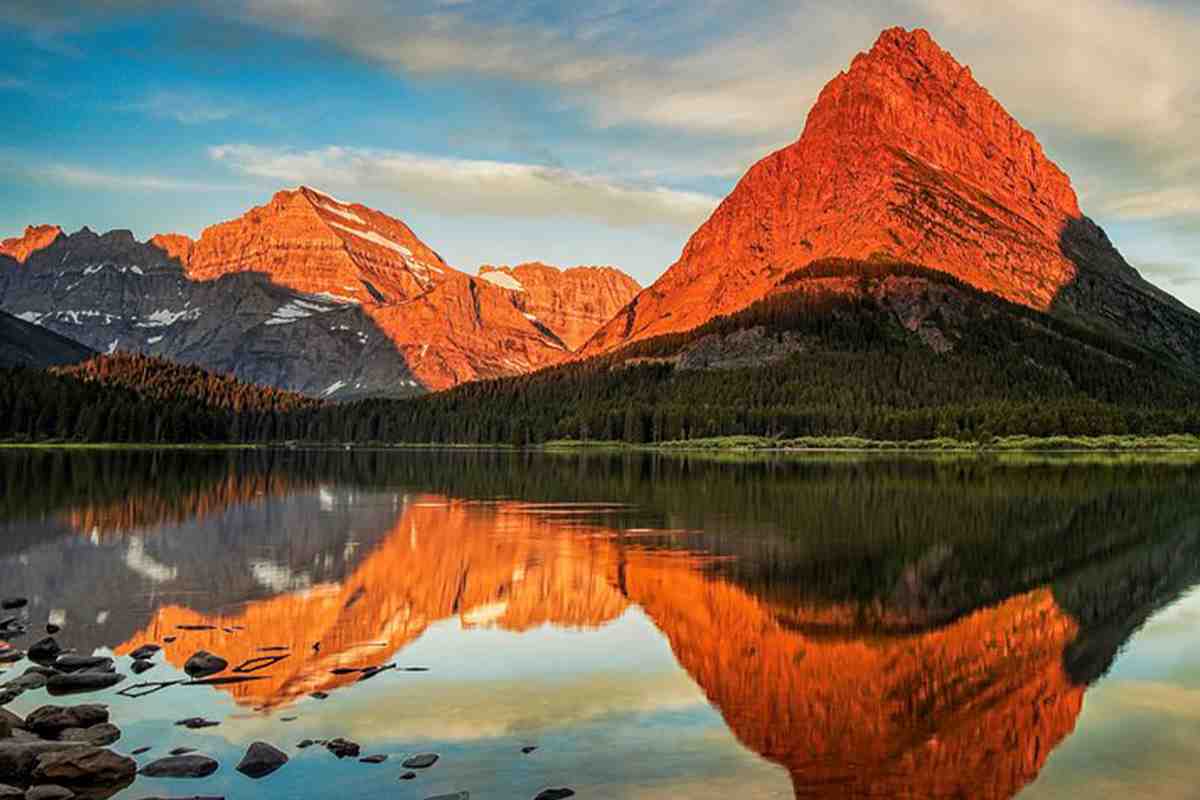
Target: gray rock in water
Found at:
x=378, y=758
x=182, y=751
x=49, y=791
x=97, y=735
x=18, y=758
x=196, y=723
x=49, y=721
x=8, y=695
x=554, y=794
x=138, y=667
x=453, y=796
x=13, y=603
x=420, y=761
x=78, y=682
x=144, y=652
x=76, y=663
x=203, y=663
x=189, y=766
x=342, y=748
x=11, y=792
x=407, y=776
x=260, y=760
x=140, y=750
x=84, y=767
x=44, y=651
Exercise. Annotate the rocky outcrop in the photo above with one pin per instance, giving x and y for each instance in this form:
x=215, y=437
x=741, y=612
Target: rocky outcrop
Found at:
x=572, y=303
x=905, y=157
x=307, y=293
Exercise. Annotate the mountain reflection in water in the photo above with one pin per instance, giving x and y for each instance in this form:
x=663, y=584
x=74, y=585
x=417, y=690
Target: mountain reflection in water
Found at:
x=877, y=627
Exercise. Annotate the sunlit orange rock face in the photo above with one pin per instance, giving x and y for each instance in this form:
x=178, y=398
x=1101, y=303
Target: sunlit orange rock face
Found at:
x=903, y=157
x=450, y=327
x=442, y=560
x=573, y=303
x=35, y=238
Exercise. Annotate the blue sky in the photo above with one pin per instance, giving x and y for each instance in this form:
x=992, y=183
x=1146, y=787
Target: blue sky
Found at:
x=598, y=132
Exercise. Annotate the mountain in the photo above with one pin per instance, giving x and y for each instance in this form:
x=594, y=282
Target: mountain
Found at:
x=905, y=157
x=25, y=345
x=307, y=293
x=572, y=303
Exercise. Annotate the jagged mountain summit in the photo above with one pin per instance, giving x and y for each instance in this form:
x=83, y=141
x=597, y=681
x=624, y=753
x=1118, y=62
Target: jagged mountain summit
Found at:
x=906, y=158
x=306, y=292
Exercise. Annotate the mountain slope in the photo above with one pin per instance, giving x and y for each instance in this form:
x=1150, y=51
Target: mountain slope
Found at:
x=906, y=157
x=25, y=345
x=306, y=293
x=573, y=303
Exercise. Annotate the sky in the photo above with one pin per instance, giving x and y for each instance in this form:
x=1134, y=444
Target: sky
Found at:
x=569, y=132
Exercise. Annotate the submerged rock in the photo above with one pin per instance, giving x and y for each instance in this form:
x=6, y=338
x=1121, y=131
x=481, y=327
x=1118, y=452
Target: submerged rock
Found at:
x=261, y=759
x=77, y=682
x=342, y=747
x=144, y=652
x=44, y=650
x=11, y=792
x=453, y=796
x=12, y=603
x=182, y=751
x=554, y=794
x=203, y=663
x=378, y=758
x=420, y=761
x=195, y=723
x=49, y=791
x=77, y=663
x=138, y=667
x=189, y=766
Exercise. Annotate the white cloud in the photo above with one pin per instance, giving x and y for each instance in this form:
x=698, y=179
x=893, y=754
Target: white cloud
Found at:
x=86, y=177
x=460, y=186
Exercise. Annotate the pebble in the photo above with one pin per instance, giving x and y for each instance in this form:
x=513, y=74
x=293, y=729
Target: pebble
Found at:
x=195, y=723
x=420, y=761
x=408, y=776
x=49, y=791
x=554, y=794
x=378, y=758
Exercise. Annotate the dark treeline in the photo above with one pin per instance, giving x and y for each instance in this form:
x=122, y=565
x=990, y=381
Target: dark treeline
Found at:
x=858, y=373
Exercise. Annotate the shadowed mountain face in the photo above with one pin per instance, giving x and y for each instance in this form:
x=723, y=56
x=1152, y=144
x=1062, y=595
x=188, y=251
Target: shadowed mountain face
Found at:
x=305, y=292
x=25, y=345
x=879, y=628
x=905, y=157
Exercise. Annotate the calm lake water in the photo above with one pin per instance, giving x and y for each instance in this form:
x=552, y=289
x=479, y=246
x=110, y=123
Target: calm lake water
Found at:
x=657, y=626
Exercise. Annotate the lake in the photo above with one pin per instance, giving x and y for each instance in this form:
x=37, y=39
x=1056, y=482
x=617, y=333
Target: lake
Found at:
x=656, y=626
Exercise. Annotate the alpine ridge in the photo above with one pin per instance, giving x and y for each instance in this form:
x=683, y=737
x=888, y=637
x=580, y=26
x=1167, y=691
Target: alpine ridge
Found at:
x=905, y=157
x=306, y=292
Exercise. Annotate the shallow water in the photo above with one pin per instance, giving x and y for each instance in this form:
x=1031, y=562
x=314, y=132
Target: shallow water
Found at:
x=657, y=626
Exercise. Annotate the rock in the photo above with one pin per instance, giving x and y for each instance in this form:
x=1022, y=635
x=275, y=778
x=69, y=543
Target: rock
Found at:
x=140, y=750
x=78, y=682
x=187, y=766
x=305, y=743
x=196, y=723
x=260, y=760
x=76, y=663
x=49, y=791
x=84, y=766
x=288, y=719
x=8, y=695
x=11, y=792
x=378, y=758
x=529, y=748
x=407, y=776
x=49, y=721
x=30, y=680
x=420, y=761
x=319, y=695
x=19, y=758
x=554, y=794
x=138, y=667
x=52, y=629
x=14, y=603
x=182, y=751
x=98, y=735
x=10, y=655
x=453, y=796
x=144, y=652
x=342, y=748
x=170, y=639
x=202, y=664
x=44, y=651
x=10, y=720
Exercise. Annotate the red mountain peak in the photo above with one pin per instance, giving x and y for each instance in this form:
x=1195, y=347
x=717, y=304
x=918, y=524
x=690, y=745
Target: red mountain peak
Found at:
x=35, y=238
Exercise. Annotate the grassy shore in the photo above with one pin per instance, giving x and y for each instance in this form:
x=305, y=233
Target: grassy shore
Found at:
x=1172, y=443
x=1168, y=443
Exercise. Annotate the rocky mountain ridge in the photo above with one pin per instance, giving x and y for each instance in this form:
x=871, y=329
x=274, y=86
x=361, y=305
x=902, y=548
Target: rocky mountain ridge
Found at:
x=905, y=157
x=306, y=292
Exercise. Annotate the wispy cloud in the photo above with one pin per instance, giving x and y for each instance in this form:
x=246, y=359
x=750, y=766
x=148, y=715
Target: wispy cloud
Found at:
x=1173, y=272
x=188, y=108
x=460, y=186
x=87, y=177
